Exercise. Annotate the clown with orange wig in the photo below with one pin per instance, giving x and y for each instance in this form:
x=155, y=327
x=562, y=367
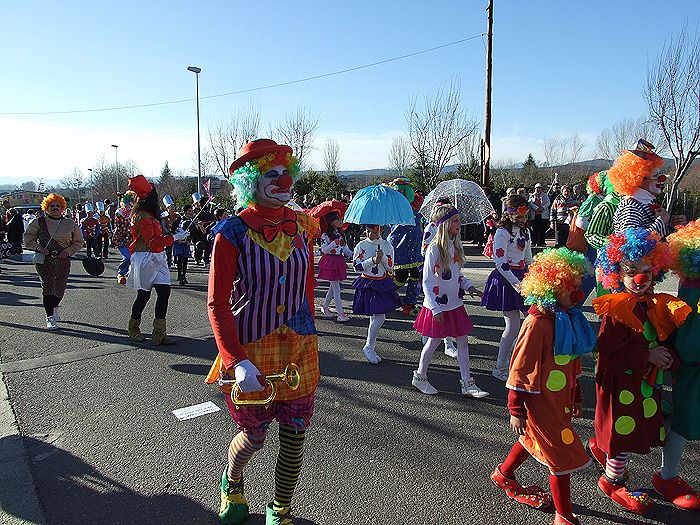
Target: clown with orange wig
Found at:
x=634, y=348
x=685, y=425
x=544, y=392
x=636, y=177
x=260, y=302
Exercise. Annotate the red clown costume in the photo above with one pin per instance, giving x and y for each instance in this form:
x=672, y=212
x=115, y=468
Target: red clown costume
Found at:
x=260, y=295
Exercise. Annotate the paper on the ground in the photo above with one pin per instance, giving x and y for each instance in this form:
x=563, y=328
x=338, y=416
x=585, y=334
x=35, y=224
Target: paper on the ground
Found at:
x=195, y=411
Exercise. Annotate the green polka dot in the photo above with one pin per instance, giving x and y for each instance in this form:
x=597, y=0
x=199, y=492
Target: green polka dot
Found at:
x=662, y=433
x=626, y=397
x=647, y=389
x=629, y=372
x=556, y=380
x=567, y=410
x=649, y=407
x=624, y=425
x=562, y=360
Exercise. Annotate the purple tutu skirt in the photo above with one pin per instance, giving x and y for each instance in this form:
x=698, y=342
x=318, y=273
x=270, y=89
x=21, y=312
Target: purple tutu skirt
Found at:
x=374, y=296
x=332, y=268
x=455, y=323
x=500, y=296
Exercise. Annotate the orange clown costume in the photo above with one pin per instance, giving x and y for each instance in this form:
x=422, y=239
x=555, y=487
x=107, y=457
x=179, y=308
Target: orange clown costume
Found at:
x=261, y=284
x=543, y=382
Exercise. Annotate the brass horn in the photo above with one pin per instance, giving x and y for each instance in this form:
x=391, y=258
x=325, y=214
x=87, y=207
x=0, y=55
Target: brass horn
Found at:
x=290, y=377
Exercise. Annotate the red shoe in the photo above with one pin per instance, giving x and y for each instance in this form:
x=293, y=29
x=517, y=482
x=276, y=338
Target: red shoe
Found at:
x=560, y=520
x=677, y=492
x=406, y=309
x=636, y=502
x=534, y=496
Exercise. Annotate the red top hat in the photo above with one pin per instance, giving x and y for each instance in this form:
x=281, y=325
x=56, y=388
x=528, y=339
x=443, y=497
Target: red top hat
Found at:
x=645, y=150
x=256, y=149
x=140, y=186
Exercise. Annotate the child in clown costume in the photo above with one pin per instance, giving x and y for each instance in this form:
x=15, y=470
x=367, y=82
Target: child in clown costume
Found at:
x=633, y=350
x=406, y=241
x=544, y=392
x=260, y=295
x=122, y=234
x=685, y=425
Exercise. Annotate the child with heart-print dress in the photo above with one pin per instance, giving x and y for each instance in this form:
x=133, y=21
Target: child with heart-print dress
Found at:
x=443, y=314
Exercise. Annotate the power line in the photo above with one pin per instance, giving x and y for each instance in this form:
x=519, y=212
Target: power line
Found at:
x=259, y=88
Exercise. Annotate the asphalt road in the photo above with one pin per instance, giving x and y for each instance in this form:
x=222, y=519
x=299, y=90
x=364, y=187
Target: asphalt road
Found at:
x=94, y=413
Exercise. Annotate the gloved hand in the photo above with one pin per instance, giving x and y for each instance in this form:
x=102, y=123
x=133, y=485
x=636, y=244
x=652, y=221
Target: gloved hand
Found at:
x=246, y=374
x=180, y=236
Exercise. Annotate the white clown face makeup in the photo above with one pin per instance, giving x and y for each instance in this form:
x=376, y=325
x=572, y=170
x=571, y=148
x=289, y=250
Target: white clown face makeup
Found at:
x=654, y=183
x=273, y=189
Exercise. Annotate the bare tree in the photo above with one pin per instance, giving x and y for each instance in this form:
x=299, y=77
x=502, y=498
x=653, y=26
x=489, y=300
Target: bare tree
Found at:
x=553, y=151
x=672, y=93
x=72, y=185
x=331, y=158
x=625, y=133
x=297, y=130
x=227, y=137
x=561, y=155
x=435, y=130
x=400, y=156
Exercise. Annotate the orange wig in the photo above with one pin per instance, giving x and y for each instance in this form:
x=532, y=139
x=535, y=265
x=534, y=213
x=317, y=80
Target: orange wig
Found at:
x=51, y=198
x=629, y=170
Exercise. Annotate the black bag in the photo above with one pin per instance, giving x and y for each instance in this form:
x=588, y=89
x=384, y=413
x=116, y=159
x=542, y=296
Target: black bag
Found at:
x=7, y=249
x=94, y=267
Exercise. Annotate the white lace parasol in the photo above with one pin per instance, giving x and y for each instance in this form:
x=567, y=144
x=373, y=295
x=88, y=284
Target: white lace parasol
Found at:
x=465, y=195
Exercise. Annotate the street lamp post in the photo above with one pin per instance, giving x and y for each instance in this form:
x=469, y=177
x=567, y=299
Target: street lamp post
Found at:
x=116, y=162
x=197, y=70
x=92, y=185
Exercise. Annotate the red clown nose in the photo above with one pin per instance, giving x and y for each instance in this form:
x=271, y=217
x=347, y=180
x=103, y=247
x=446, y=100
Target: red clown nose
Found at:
x=641, y=278
x=284, y=183
x=662, y=178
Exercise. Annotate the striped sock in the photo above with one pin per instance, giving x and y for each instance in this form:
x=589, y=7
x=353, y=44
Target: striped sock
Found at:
x=241, y=449
x=288, y=466
x=615, y=467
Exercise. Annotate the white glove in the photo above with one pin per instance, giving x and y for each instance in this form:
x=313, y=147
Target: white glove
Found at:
x=180, y=236
x=246, y=374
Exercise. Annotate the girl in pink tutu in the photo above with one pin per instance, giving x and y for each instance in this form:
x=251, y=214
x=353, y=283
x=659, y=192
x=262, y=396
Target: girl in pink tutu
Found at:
x=443, y=314
x=331, y=265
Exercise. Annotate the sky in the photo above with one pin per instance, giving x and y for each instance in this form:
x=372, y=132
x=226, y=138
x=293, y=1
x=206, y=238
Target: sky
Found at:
x=559, y=68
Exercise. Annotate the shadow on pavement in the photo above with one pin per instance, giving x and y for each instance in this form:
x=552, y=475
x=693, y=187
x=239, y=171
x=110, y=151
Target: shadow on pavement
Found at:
x=72, y=492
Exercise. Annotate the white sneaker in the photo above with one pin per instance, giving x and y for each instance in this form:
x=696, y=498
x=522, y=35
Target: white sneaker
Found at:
x=450, y=348
x=470, y=389
x=56, y=316
x=501, y=375
x=326, y=311
x=422, y=384
x=371, y=355
x=343, y=318
x=51, y=322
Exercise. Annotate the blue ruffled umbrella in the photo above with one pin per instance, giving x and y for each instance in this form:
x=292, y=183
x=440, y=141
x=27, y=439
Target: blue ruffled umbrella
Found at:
x=379, y=205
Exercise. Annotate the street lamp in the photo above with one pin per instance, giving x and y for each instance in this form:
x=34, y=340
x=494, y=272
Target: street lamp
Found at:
x=197, y=70
x=116, y=162
x=92, y=185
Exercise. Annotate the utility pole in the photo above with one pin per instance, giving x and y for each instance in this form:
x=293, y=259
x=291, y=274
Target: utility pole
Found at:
x=486, y=142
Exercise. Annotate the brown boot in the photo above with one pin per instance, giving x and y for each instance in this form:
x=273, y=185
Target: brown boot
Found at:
x=159, y=337
x=135, y=330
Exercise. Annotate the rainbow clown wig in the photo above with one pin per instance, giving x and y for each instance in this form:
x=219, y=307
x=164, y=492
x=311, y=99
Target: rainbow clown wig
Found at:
x=632, y=167
x=403, y=185
x=634, y=245
x=51, y=198
x=127, y=199
x=554, y=274
x=255, y=159
x=685, y=251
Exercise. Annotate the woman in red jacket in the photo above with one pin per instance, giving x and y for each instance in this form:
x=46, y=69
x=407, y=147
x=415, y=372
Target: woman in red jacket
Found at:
x=149, y=266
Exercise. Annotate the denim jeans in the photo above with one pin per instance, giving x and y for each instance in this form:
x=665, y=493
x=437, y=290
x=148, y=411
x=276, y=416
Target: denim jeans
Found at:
x=126, y=259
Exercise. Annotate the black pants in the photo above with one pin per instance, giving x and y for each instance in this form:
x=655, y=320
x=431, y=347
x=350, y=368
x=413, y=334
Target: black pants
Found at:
x=103, y=245
x=562, y=234
x=169, y=255
x=51, y=302
x=202, y=250
x=90, y=246
x=181, y=262
x=142, y=297
x=539, y=229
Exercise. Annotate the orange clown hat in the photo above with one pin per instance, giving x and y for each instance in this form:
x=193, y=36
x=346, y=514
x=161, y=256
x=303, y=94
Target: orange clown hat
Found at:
x=256, y=149
x=140, y=186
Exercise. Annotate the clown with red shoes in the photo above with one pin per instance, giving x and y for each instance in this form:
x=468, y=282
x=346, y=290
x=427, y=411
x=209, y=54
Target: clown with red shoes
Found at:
x=263, y=258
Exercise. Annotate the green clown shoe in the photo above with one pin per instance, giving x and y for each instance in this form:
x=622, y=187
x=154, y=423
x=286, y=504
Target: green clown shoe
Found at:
x=275, y=517
x=234, y=505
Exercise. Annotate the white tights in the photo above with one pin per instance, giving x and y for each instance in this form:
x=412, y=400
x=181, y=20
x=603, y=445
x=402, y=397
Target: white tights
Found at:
x=375, y=323
x=462, y=356
x=334, y=294
x=505, y=347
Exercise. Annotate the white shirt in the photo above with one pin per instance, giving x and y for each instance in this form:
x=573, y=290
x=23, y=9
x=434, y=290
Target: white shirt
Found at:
x=441, y=286
x=428, y=235
x=335, y=246
x=511, y=251
x=363, y=256
x=544, y=204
